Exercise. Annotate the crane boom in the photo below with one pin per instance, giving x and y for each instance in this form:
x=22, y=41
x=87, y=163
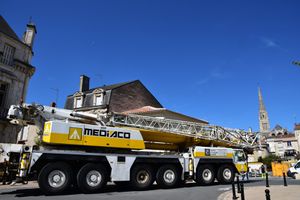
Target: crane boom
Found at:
x=168, y=134
x=199, y=132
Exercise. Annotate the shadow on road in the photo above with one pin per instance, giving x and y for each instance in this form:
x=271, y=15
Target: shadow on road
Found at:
x=29, y=192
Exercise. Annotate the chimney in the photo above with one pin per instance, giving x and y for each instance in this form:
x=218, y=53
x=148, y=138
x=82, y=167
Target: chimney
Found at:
x=84, y=83
x=28, y=37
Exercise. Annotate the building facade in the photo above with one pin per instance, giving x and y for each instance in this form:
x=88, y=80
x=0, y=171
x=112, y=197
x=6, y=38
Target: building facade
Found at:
x=15, y=73
x=297, y=134
x=283, y=145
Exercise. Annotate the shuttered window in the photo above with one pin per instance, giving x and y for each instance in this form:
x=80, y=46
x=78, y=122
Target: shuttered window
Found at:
x=8, y=54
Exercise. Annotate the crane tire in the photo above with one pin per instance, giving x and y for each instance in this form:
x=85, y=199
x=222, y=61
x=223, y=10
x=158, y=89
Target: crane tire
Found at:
x=205, y=175
x=168, y=176
x=55, y=178
x=141, y=176
x=91, y=178
x=225, y=174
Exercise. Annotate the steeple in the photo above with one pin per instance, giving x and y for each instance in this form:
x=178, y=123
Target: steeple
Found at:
x=264, y=124
x=261, y=103
x=29, y=35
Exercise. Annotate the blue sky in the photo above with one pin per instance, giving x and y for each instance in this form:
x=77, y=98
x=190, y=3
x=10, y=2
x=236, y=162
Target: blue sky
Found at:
x=202, y=58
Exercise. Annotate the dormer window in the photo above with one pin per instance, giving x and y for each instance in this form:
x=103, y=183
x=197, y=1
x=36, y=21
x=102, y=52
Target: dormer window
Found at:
x=78, y=100
x=98, y=97
x=98, y=100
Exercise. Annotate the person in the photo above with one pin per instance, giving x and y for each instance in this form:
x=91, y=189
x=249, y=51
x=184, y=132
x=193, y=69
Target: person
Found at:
x=5, y=172
x=263, y=171
x=246, y=174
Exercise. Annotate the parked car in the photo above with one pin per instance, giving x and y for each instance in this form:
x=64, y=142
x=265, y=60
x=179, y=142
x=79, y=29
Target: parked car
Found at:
x=294, y=170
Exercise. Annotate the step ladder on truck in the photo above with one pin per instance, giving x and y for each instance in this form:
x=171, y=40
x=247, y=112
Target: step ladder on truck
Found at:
x=92, y=149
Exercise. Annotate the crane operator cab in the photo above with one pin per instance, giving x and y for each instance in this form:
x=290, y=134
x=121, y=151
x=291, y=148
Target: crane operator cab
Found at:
x=240, y=160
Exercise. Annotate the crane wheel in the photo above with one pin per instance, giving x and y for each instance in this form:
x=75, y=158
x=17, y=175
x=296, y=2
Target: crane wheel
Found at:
x=205, y=175
x=167, y=176
x=141, y=177
x=91, y=178
x=54, y=178
x=226, y=174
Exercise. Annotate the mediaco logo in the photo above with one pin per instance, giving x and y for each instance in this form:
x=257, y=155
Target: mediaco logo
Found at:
x=75, y=133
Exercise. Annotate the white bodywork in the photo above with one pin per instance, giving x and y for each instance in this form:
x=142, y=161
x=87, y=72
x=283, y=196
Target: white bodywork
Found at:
x=6, y=148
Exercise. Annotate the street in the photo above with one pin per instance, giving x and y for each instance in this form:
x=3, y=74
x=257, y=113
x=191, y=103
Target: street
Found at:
x=190, y=191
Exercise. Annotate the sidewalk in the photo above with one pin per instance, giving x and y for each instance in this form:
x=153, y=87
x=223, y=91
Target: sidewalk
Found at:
x=277, y=192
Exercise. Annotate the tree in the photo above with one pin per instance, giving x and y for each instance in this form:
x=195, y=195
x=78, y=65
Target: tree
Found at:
x=269, y=159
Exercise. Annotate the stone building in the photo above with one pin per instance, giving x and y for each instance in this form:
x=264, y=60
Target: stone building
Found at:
x=111, y=98
x=264, y=124
x=283, y=145
x=15, y=73
x=129, y=97
x=297, y=134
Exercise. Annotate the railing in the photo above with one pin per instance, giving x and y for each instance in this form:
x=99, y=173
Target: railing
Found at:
x=189, y=129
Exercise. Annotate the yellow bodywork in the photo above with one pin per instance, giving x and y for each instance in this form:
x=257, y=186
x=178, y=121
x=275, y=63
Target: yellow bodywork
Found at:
x=241, y=167
x=73, y=134
x=222, y=153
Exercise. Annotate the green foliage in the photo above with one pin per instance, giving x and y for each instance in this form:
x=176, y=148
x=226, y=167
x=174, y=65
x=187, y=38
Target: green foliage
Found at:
x=38, y=141
x=269, y=159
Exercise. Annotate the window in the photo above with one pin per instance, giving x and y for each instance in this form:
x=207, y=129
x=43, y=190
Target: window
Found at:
x=8, y=55
x=77, y=102
x=265, y=126
x=98, y=99
x=3, y=91
x=239, y=156
x=289, y=143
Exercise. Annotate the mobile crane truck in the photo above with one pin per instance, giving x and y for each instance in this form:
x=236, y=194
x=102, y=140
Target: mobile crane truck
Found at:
x=88, y=150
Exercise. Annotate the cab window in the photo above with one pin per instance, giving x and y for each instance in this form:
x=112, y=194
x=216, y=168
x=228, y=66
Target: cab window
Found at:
x=239, y=156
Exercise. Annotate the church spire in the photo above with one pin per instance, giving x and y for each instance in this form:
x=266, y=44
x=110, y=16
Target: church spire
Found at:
x=261, y=102
x=264, y=124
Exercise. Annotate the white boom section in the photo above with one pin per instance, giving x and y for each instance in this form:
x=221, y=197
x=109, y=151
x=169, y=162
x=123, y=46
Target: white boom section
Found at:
x=26, y=113
x=233, y=137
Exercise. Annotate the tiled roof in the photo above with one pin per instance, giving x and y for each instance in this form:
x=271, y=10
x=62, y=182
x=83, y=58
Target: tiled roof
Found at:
x=152, y=111
x=282, y=136
x=108, y=87
x=145, y=109
x=7, y=30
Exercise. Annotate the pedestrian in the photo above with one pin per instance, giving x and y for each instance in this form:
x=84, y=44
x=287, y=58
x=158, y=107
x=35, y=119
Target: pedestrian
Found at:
x=263, y=171
x=247, y=174
x=5, y=172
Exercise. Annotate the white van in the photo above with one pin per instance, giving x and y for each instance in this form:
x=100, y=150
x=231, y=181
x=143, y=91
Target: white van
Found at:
x=294, y=170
